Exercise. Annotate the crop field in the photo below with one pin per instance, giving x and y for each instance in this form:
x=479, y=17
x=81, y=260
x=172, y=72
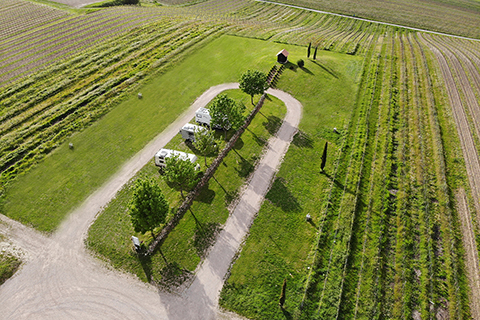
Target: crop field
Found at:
x=395, y=229
x=452, y=17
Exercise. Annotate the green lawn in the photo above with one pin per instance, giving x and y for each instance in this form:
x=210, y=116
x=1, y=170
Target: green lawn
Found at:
x=43, y=197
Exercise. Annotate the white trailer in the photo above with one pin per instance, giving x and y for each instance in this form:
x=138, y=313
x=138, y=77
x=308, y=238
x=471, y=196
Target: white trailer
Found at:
x=202, y=116
x=163, y=154
x=188, y=131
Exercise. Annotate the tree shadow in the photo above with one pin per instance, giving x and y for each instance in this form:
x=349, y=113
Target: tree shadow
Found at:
x=146, y=263
x=204, y=238
x=245, y=167
x=326, y=69
x=230, y=196
x=259, y=140
x=287, y=314
x=206, y=195
x=306, y=70
x=239, y=144
x=302, y=140
x=172, y=276
x=272, y=124
x=281, y=197
x=337, y=183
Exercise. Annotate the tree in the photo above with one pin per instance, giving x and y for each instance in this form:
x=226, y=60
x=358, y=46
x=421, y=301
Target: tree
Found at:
x=148, y=206
x=181, y=173
x=300, y=63
x=226, y=113
x=315, y=53
x=205, y=143
x=308, y=50
x=324, y=156
x=253, y=82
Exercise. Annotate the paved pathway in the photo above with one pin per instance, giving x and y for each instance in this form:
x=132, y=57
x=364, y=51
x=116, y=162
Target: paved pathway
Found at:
x=59, y=280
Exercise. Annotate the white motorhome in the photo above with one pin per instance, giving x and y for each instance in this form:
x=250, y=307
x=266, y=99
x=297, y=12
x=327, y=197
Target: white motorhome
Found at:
x=163, y=154
x=202, y=116
x=188, y=131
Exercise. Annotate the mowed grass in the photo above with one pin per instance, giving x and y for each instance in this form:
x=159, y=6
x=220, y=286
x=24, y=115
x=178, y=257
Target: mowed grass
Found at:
x=43, y=197
x=110, y=235
x=280, y=242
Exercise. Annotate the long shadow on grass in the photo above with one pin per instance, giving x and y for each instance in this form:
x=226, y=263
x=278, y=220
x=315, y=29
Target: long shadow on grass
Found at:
x=259, y=140
x=302, y=140
x=286, y=314
x=281, y=197
x=245, y=167
x=337, y=183
x=326, y=69
x=229, y=196
x=272, y=124
x=205, y=235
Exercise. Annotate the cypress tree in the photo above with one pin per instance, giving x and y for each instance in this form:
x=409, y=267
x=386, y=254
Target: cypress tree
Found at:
x=315, y=53
x=308, y=51
x=324, y=156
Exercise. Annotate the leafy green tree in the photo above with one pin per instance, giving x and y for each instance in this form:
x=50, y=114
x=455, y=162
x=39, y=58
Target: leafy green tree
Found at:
x=253, y=82
x=148, y=206
x=315, y=54
x=308, y=50
x=180, y=173
x=205, y=143
x=226, y=113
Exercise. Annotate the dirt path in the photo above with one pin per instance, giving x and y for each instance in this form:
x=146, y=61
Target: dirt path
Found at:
x=61, y=281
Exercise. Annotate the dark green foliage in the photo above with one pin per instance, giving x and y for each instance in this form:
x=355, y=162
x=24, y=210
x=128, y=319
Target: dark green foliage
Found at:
x=205, y=143
x=253, y=82
x=148, y=207
x=324, y=156
x=116, y=3
x=315, y=53
x=226, y=113
x=180, y=173
x=308, y=50
x=300, y=63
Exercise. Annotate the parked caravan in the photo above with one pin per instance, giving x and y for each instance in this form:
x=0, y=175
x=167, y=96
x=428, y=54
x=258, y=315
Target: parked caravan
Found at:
x=163, y=154
x=188, y=131
x=202, y=116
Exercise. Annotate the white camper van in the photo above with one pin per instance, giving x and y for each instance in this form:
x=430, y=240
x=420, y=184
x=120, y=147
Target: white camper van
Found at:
x=161, y=155
x=202, y=116
x=188, y=131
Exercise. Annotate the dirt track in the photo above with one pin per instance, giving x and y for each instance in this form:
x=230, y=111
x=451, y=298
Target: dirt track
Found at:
x=470, y=155
x=59, y=280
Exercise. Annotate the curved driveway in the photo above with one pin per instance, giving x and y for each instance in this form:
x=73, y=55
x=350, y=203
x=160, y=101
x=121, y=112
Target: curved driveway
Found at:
x=60, y=280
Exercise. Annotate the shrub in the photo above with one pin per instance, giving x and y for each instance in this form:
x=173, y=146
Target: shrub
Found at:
x=300, y=63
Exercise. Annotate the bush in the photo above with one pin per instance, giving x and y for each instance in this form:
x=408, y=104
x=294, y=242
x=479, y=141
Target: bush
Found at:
x=300, y=63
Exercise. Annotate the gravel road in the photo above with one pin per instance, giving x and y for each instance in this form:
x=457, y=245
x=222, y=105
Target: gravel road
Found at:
x=60, y=280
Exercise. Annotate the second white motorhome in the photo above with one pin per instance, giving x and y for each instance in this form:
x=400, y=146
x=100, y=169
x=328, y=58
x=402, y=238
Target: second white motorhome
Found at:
x=163, y=154
x=188, y=131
